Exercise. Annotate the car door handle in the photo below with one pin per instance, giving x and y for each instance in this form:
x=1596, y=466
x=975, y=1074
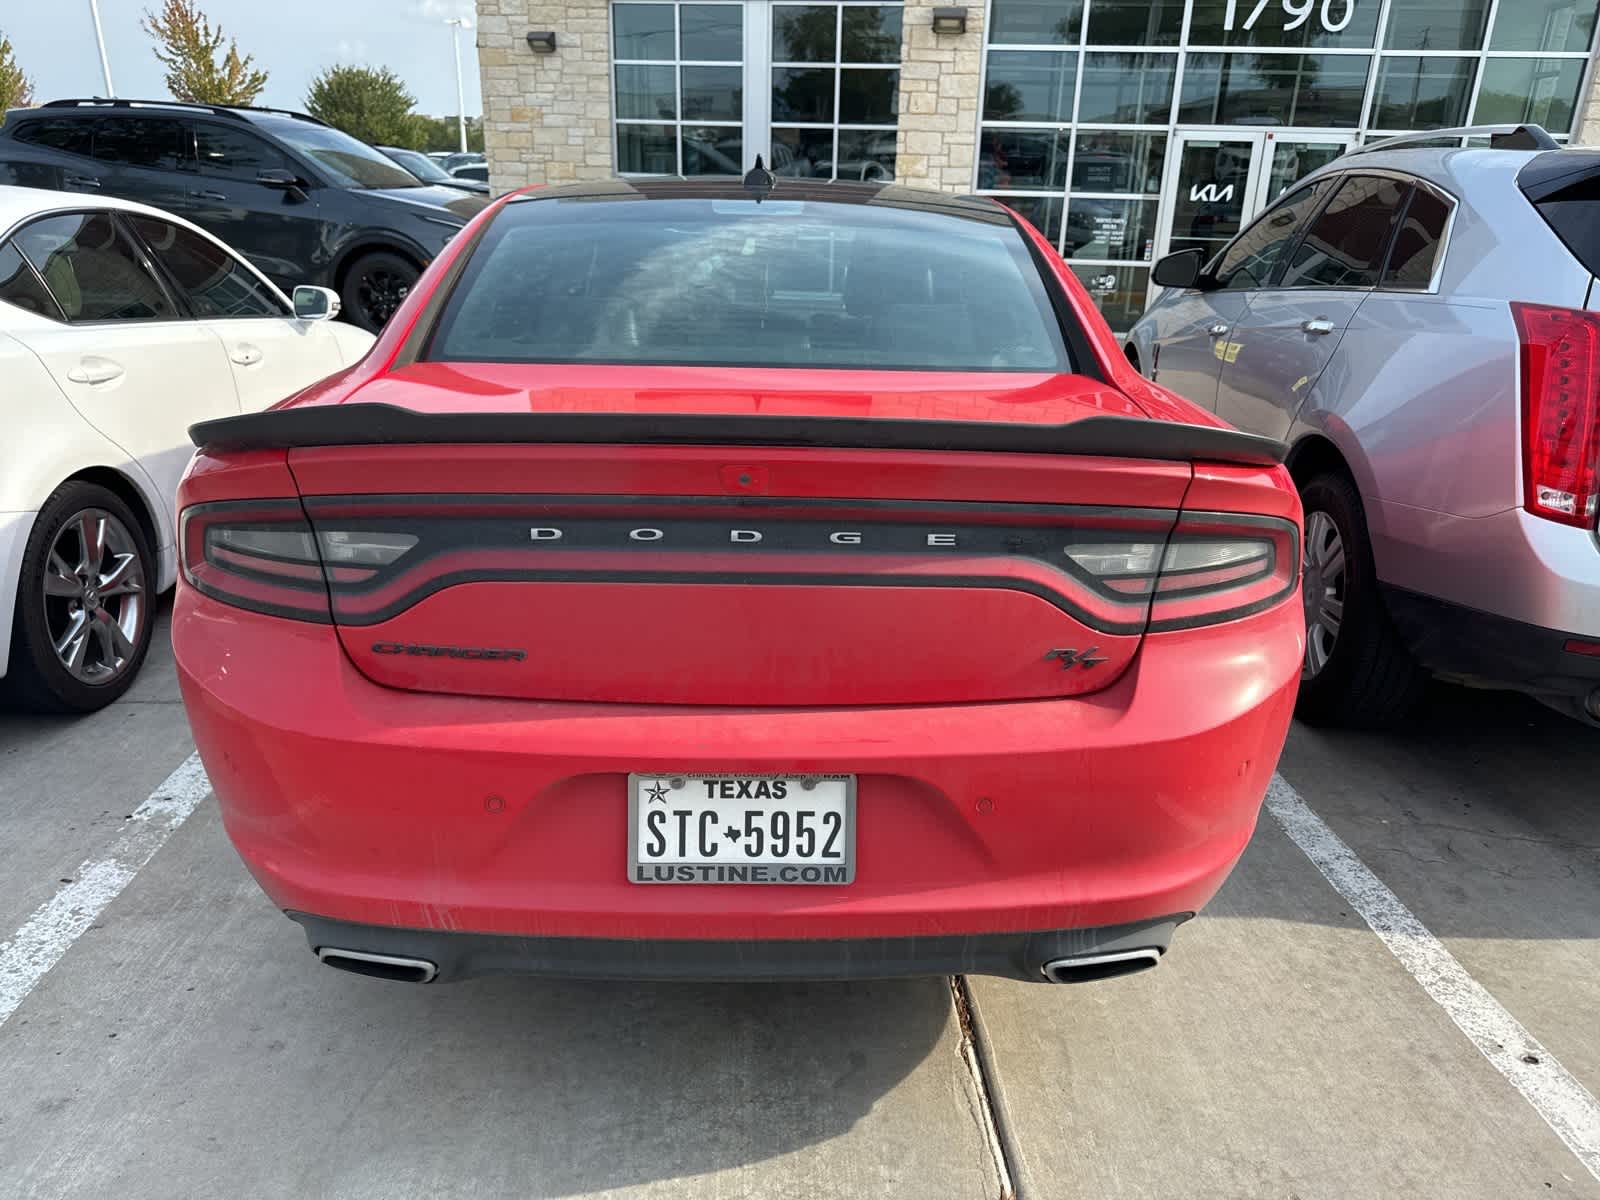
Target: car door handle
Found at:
x=95, y=370
x=1317, y=325
x=84, y=181
x=199, y=195
x=1220, y=329
x=245, y=354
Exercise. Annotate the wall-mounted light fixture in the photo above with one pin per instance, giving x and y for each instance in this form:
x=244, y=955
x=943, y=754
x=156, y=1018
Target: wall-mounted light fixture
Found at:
x=542, y=41
x=949, y=20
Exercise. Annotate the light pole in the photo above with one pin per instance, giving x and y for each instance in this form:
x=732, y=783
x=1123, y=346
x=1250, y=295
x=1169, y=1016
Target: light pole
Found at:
x=100, y=40
x=457, y=24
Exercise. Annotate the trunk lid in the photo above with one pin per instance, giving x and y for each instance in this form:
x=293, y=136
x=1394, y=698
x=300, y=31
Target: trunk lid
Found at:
x=738, y=537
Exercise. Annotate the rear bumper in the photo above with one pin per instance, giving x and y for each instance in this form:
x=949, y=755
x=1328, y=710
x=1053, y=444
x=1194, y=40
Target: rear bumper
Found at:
x=371, y=806
x=456, y=956
x=1478, y=647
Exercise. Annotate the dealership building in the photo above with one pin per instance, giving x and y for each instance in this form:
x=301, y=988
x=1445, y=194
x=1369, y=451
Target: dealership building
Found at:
x=1122, y=128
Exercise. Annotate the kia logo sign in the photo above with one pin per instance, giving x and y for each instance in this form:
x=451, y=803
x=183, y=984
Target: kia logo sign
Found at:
x=1210, y=193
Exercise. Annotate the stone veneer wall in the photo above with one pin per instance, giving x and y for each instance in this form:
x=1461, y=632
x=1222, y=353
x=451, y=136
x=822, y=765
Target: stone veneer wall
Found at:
x=547, y=117
x=939, y=73
x=1588, y=132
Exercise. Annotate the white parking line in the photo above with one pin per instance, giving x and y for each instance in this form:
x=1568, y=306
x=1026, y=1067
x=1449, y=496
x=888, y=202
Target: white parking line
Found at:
x=1567, y=1106
x=62, y=919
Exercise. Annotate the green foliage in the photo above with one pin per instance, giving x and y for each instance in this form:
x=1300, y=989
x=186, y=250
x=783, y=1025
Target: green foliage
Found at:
x=16, y=89
x=370, y=103
x=440, y=133
x=188, y=47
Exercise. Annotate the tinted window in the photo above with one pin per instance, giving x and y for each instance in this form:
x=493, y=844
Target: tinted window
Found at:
x=348, y=162
x=1416, y=242
x=153, y=142
x=1255, y=254
x=476, y=172
x=782, y=283
x=1574, y=213
x=234, y=153
x=57, y=133
x=1345, y=244
x=92, y=269
x=215, y=282
x=20, y=286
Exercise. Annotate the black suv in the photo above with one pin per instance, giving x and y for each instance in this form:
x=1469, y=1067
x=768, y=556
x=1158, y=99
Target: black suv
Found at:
x=303, y=201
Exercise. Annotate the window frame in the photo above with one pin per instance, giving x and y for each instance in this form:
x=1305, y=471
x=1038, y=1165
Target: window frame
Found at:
x=176, y=289
x=180, y=307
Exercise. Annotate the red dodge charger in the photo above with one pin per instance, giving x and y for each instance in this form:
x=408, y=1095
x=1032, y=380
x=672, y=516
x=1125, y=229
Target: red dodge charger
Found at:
x=739, y=579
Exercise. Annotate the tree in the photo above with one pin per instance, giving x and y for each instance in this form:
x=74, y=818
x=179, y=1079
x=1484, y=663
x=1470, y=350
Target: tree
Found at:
x=187, y=47
x=441, y=133
x=370, y=103
x=16, y=89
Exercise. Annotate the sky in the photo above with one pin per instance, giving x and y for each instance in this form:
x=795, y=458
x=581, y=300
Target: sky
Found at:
x=291, y=40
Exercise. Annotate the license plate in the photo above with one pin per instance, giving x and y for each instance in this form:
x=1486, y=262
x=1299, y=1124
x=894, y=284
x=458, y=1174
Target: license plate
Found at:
x=741, y=828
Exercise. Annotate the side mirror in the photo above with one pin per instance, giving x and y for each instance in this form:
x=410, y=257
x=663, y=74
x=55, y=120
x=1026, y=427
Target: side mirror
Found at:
x=1180, y=270
x=283, y=180
x=315, y=303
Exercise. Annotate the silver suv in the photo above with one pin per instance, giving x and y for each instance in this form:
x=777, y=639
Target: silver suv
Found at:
x=1422, y=325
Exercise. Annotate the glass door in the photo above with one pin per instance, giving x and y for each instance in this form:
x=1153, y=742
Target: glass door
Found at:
x=1291, y=158
x=1213, y=181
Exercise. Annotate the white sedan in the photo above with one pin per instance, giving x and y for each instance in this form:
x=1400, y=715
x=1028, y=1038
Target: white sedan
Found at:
x=120, y=326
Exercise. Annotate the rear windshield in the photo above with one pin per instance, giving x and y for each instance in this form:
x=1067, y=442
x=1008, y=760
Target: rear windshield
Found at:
x=733, y=282
x=1574, y=213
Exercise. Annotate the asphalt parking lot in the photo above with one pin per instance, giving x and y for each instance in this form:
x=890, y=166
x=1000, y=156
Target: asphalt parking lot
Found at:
x=186, y=1044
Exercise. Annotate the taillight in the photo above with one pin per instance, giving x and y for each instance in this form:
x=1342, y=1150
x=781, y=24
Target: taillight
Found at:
x=263, y=555
x=1212, y=567
x=1560, y=424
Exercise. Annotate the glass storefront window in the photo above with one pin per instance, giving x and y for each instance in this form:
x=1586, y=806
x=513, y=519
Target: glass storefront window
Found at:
x=1437, y=24
x=1135, y=22
x=804, y=33
x=656, y=93
x=1115, y=229
x=1044, y=212
x=1422, y=93
x=1313, y=90
x=1119, y=292
x=642, y=31
x=1127, y=89
x=1544, y=25
x=835, y=68
x=1030, y=85
x=1119, y=162
x=1036, y=22
x=711, y=33
x=1022, y=159
x=1307, y=24
x=1541, y=90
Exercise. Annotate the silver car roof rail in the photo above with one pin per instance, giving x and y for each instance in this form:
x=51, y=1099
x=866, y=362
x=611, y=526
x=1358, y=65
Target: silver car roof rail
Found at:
x=1501, y=137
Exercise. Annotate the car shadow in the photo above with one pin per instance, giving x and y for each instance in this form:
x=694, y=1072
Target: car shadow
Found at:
x=1481, y=812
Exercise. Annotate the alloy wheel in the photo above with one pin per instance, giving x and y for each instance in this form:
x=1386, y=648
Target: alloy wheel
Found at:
x=94, y=596
x=1322, y=591
x=381, y=291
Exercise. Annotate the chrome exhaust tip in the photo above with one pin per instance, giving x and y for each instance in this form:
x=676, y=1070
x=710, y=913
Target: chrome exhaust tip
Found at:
x=1086, y=968
x=379, y=966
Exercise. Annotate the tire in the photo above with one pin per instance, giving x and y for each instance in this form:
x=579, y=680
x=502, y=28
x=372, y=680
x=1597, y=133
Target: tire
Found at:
x=101, y=662
x=374, y=286
x=1362, y=675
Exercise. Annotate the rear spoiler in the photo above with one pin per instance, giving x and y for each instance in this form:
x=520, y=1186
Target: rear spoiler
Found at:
x=386, y=425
